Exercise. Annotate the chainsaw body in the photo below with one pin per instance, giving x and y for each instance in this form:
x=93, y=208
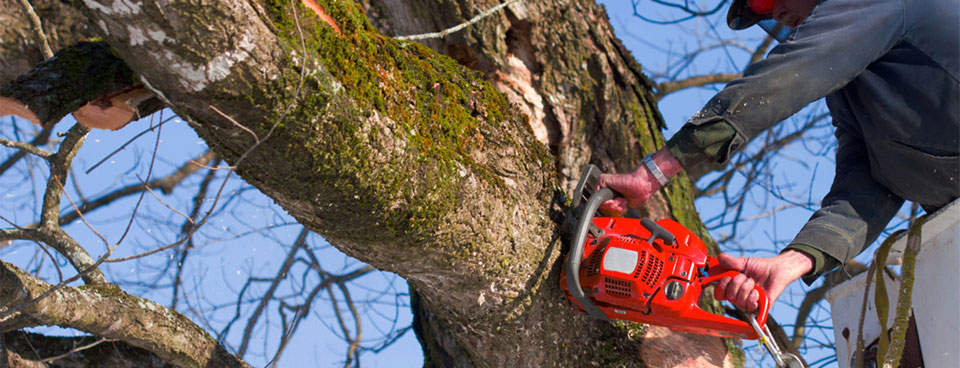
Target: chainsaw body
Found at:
x=645, y=271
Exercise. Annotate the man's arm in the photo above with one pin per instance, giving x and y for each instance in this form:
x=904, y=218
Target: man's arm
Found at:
x=835, y=44
x=853, y=213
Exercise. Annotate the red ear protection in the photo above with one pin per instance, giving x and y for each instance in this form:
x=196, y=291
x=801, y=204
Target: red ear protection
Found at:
x=761, y=6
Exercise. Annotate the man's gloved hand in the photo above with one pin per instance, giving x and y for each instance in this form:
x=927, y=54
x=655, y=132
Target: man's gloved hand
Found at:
x=636, y=187
x=772, y=274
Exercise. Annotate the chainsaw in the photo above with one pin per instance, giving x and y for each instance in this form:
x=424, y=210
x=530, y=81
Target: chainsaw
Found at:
x=635, y=269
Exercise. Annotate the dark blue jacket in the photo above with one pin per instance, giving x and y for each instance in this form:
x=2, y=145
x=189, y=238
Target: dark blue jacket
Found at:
x=890, y=72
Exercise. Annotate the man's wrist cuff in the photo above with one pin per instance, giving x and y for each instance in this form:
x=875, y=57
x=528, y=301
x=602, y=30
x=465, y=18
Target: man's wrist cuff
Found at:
x=682, y=148
x=822, y=262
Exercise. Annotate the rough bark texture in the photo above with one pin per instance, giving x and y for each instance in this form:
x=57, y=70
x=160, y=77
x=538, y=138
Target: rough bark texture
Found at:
x=415, y=164
x=560, y=63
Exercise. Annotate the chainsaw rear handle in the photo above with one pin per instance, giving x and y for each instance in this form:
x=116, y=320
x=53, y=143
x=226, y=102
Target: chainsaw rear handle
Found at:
x=716, y=273
x=575, y=254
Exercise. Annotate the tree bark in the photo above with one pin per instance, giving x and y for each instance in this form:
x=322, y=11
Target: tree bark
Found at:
x=417, y=165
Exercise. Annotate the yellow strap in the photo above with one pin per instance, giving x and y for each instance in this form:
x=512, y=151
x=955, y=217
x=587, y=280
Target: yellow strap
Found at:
x=880, y=298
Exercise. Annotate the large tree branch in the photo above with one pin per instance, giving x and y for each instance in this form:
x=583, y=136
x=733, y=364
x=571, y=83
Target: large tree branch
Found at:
x=108, y=312
x=399, y=147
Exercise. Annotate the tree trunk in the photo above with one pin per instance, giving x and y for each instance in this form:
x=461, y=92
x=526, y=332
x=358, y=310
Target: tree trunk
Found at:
x=599, y=111
x=417, y=165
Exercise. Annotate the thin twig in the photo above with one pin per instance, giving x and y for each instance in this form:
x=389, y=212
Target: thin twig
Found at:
x=458, y=27
x=27, y=148
x=153, y=159
x=125, y=144
x=42, y=137
x=82, y=348
x=187, y=228
x=164, y=203
x=235, y=123
x=37, y=27
x=268, y=295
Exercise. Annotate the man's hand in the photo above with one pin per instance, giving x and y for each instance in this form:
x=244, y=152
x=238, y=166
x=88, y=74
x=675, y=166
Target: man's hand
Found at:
x=636, y=187
x=772, y=274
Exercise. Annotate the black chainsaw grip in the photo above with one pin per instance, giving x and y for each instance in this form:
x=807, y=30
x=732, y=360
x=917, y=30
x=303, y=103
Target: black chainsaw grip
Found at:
x=657, y=232
x=576, y=252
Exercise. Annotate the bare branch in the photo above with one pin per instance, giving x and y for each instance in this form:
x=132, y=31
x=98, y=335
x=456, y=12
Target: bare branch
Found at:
x=268, y=295
x=761, y=50
x=76, y=350
x=188, y=228
x=165, y=184
x=29, y=148
x=851, y=269
x=37, y=28
x=29, y=349
x=42, y=137
x=352, y=353
x=49, y=227
x=109, y=312
x=669, y=87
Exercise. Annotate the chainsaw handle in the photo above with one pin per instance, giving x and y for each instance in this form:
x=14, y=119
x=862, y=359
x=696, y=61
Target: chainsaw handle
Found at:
x=575, y=255
x=716, y=273
x=657, y=232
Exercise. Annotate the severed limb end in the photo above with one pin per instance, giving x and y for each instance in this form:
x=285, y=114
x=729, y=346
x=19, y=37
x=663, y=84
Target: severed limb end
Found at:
x=10, y=106
x=110, y=112
x=113, y=111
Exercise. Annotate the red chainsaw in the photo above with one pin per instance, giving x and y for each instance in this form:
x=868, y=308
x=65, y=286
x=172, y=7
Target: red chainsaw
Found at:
x=649, y=272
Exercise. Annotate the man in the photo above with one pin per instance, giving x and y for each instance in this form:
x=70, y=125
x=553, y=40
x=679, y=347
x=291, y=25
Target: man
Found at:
x=889, y=70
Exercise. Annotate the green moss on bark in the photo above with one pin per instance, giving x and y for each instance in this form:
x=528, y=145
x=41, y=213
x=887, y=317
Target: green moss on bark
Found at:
x=427, y=103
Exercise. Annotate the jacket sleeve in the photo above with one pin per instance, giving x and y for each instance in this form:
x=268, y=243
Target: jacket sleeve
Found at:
x=853, y=213
x=834, y=44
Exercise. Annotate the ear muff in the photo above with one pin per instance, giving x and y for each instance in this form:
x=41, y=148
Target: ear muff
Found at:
x=761, y=6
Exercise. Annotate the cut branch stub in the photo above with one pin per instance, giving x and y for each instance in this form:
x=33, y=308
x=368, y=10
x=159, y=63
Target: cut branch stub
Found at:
x=71, y=78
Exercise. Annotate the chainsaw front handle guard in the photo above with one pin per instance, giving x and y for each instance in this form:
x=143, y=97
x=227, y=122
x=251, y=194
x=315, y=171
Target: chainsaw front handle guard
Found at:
x=575, y=255
x=716, y=273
